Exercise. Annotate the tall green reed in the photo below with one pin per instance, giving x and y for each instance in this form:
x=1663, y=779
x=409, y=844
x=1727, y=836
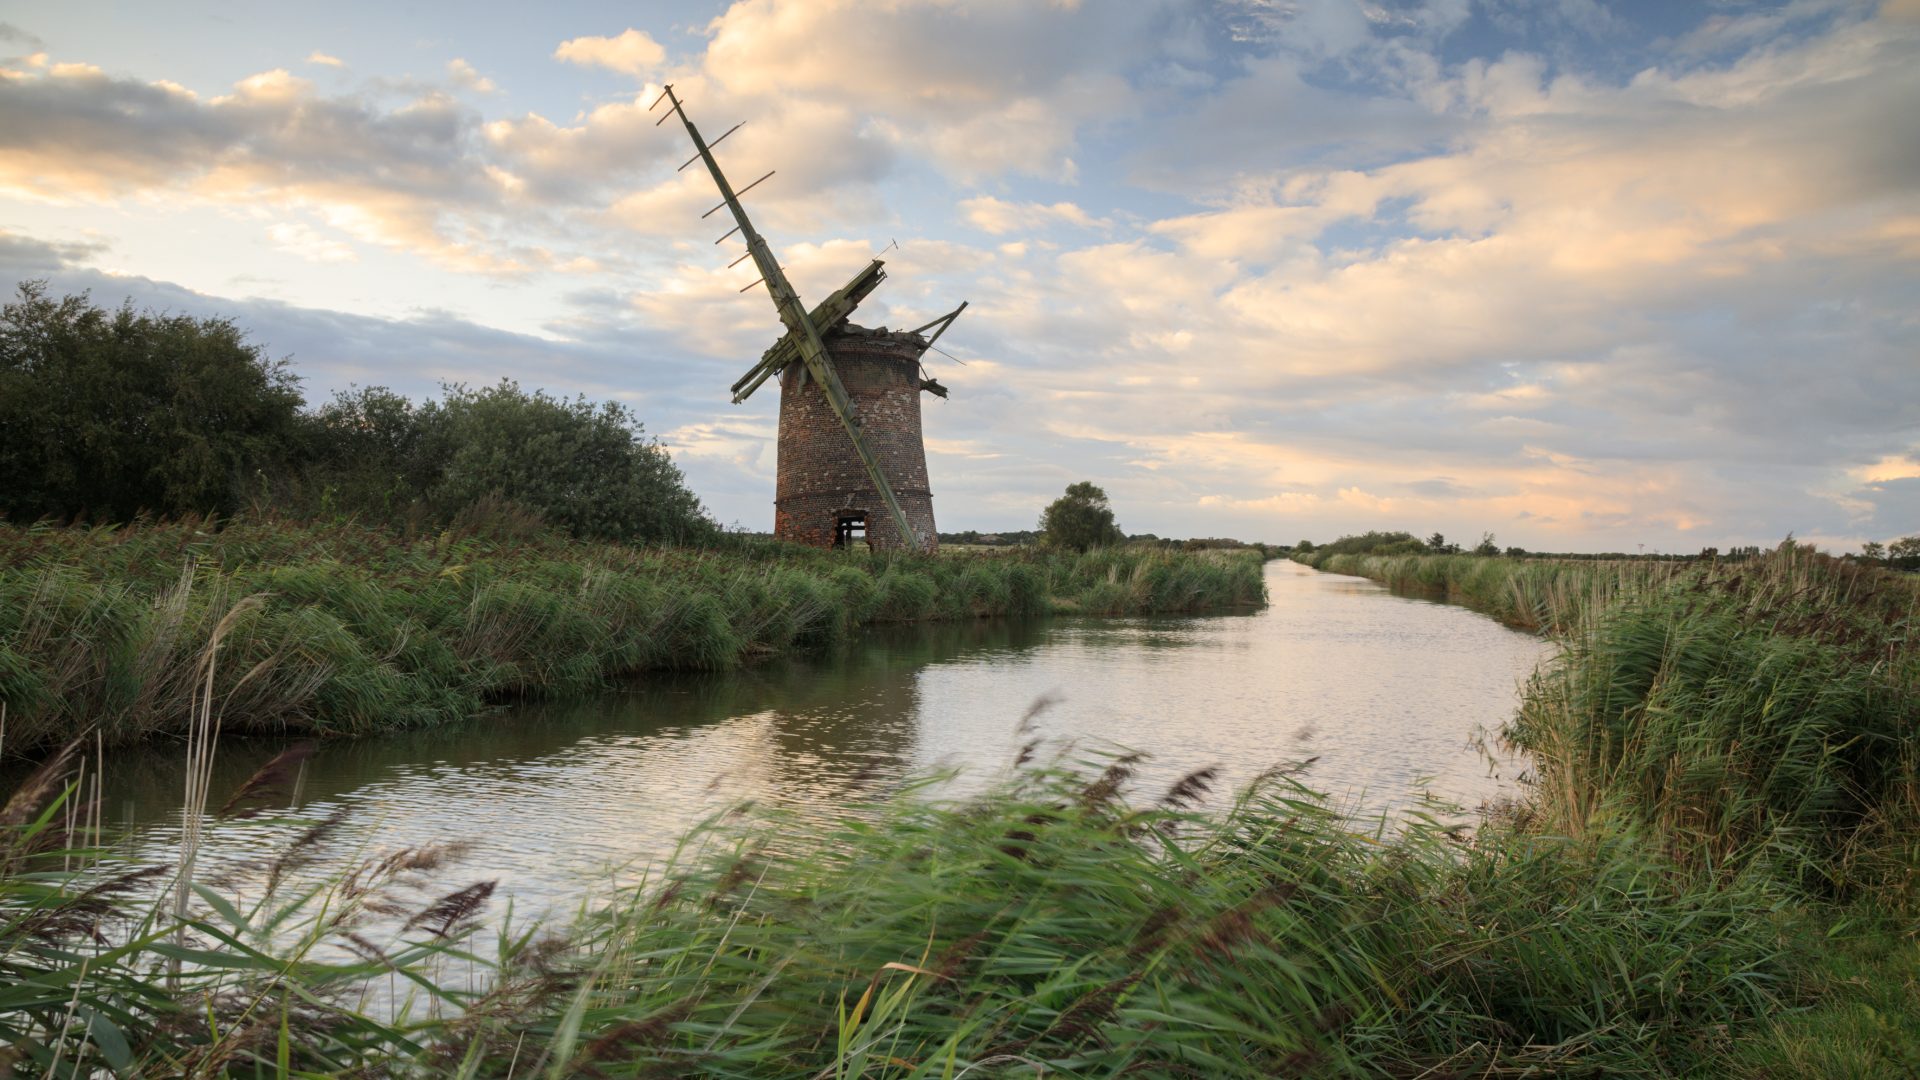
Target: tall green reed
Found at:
x=1054, y=925
x=1759, y=711
x=360, y=630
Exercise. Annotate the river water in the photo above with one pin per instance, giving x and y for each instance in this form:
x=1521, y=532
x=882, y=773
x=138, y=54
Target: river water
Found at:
x=1389, y=695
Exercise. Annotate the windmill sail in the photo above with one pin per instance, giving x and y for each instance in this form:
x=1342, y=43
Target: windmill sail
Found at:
x=803, y=331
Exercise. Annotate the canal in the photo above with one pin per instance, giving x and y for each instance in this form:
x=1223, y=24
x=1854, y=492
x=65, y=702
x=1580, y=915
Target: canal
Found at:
x=1391, y=698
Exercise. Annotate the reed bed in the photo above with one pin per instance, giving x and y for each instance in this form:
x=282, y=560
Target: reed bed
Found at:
x=1064, y=923
x=1765, y=708
x=345, y=630
x=1547, y=595
x=1711, y=874
x=1759, y=716
x=1055, y=927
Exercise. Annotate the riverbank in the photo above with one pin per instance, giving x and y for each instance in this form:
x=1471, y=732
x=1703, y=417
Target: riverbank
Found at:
x=349, y=630
x=1740, y=704
x=1760, y=715
x=1714, y=874
x=1546, y=595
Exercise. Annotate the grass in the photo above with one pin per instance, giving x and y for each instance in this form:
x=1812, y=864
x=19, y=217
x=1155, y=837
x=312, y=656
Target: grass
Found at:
x=1754, y=717
x=1760, y=709
x=1052, y=925
x=1547, y=595
x=1711, y=875
x=345, y=630
x=1860, y=978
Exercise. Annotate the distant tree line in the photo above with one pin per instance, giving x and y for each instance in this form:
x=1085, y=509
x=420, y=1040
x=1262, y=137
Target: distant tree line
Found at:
x=1899, y=555
x=106, y=415
x=1903, y=554
x=974, y=537
x=1082, y=519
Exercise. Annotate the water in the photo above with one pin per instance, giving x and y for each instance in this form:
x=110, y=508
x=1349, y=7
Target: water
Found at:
x=558, y=801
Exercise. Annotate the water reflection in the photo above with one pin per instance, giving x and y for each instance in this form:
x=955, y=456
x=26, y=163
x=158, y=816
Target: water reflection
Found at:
x=1385, y=691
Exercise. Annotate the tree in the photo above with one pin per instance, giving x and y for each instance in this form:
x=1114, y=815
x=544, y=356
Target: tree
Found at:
x=109, y=413
x=365, y=448
x=1080, y=519
x=1486, y=546
x=1905, y=553
x=1374, y=543
x=585, y=468
x=1873, y=551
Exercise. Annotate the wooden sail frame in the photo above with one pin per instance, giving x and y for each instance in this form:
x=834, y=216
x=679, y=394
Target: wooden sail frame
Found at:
x=802, y=330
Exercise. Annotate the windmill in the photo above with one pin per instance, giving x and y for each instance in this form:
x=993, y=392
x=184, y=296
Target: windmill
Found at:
x=852, y=465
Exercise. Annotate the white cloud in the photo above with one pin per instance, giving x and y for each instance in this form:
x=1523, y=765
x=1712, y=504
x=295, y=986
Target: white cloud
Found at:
x=1366, y=501
x=1889, y=467
x=308, y=243
x=1285, y=502
x=464, y=76
x=324, y=60
x=999, y=217
x=632, y=52
x=1008, y=89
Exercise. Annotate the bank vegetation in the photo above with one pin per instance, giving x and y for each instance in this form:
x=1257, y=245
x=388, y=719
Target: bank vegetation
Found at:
x=345, y=629
x=1712, y=872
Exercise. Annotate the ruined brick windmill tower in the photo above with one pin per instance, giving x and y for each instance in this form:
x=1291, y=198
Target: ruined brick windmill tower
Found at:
x=852, y=465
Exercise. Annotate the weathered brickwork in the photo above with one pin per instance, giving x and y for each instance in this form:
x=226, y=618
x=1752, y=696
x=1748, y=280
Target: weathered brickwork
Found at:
x=821, y=477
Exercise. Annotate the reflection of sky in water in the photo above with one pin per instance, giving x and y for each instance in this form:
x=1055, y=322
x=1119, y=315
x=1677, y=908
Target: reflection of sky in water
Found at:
x=560, y=799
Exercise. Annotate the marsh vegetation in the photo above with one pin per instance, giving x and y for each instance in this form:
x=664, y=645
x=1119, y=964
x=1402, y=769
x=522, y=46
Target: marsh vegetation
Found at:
x=343, y=629
x=1712, y=873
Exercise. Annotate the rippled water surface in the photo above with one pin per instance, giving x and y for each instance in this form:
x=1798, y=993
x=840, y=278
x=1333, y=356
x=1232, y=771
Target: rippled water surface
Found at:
x=1388, y=693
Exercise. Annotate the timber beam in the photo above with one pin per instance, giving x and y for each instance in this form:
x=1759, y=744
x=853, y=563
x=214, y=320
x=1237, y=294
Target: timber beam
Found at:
x=829, y=314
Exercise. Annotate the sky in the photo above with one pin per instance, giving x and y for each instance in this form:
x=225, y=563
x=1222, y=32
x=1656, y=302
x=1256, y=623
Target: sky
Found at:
x=1589, y=276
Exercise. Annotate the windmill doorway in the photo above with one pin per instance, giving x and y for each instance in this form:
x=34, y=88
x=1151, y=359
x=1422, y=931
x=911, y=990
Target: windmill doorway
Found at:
x=849, y=526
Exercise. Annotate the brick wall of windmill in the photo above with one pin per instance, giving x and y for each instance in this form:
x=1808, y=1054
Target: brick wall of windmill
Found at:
x=820, y=475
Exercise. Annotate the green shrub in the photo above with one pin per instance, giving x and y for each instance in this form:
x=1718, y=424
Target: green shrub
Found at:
x=580, y=466
x=111, y=414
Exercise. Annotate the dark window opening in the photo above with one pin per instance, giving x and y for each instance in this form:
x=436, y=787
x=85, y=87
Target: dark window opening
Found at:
x=850, y=526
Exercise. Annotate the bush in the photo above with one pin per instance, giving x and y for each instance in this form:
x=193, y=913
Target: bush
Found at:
x=583, y=467
x=112, y=413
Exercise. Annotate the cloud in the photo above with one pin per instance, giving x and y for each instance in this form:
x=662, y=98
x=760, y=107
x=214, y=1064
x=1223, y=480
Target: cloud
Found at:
x=308, y=243
x=324, y=60
x=1285, y=502
x=398, y=177
x=999, y=217
x=1889, y=468
x=26, y=257
x=1645, y=287
x=12, y=37
x=1009, y=88
x=1367, y=501
x=610, y=146
x=632, y=53
x=464, y=76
